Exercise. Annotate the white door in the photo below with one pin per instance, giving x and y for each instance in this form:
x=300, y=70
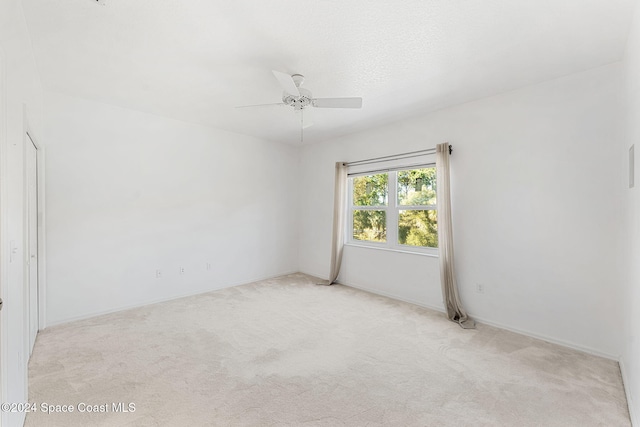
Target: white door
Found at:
x=32, y=240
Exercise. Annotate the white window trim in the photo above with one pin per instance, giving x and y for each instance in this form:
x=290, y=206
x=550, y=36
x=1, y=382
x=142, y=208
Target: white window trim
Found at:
x=392, y=209
x=358, y=244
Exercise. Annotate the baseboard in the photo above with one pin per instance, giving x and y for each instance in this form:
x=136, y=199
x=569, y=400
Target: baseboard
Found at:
x=160, y=300
x=625, y=382
x=314, y=274
x=547, y=338
x=484, y=321
x=392, y=296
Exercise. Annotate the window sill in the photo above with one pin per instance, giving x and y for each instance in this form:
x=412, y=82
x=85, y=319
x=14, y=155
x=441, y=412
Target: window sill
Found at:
x=402, y=251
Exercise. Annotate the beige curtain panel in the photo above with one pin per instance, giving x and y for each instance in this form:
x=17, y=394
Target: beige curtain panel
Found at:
x=339, y=218
x=450, y=295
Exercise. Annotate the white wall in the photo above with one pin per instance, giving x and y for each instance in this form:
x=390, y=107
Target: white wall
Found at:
x=20, y=90
x=129, y=193
x=630, y=361
x=537, y=209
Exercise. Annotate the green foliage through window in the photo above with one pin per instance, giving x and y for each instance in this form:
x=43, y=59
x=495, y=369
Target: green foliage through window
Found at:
x=370, y=225
x=417, y=187
x=418, y=228
x=413, y=207
x=371, y=190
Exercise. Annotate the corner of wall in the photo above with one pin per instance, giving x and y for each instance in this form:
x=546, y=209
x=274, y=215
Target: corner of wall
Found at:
x=633, y=415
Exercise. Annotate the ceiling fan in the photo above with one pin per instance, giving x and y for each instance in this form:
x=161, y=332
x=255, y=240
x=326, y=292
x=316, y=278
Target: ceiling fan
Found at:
x=300, y=99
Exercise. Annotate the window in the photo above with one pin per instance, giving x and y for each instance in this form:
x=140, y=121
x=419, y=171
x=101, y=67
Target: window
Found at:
x=370, y=200
x=394, y=210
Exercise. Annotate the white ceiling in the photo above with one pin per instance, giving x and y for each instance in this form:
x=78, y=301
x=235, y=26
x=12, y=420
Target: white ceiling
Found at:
x=195, y=60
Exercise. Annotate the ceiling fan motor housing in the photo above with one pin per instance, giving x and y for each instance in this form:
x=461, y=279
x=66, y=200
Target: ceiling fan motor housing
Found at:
x=298, y=102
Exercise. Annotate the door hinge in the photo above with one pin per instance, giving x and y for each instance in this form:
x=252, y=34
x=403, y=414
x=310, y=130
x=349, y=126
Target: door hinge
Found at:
x=0, y=303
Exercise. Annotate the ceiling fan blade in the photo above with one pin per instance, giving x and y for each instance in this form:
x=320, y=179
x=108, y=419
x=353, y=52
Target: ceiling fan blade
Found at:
x=287, y=83
x=337, y=102
x=260, y=105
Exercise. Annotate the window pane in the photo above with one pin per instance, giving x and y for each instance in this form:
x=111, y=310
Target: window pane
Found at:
x=370, y=225
x=370, y=190
x=417, y=187
x=418, y=228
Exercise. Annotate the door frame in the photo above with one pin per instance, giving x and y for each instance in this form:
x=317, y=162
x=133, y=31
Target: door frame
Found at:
x=30, y=158
x=28, y=138
x=4, y=243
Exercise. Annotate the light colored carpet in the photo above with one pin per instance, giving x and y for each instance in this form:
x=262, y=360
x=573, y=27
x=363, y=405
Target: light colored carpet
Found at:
x=287, y=352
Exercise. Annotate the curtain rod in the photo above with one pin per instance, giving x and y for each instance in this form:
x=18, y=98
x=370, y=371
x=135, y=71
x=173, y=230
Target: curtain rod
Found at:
x=404, y=167
x=400, y=156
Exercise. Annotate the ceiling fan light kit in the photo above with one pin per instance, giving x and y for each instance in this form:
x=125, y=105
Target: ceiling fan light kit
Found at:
x=300, y=100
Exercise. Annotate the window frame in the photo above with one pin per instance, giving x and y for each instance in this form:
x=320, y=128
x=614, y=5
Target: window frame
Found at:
x=392, y=210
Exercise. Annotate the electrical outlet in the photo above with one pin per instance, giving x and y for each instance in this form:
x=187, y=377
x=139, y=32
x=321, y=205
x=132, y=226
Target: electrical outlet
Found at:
x=158, y=274
x=208, y=266
x=181, y=270
x=480, y=288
